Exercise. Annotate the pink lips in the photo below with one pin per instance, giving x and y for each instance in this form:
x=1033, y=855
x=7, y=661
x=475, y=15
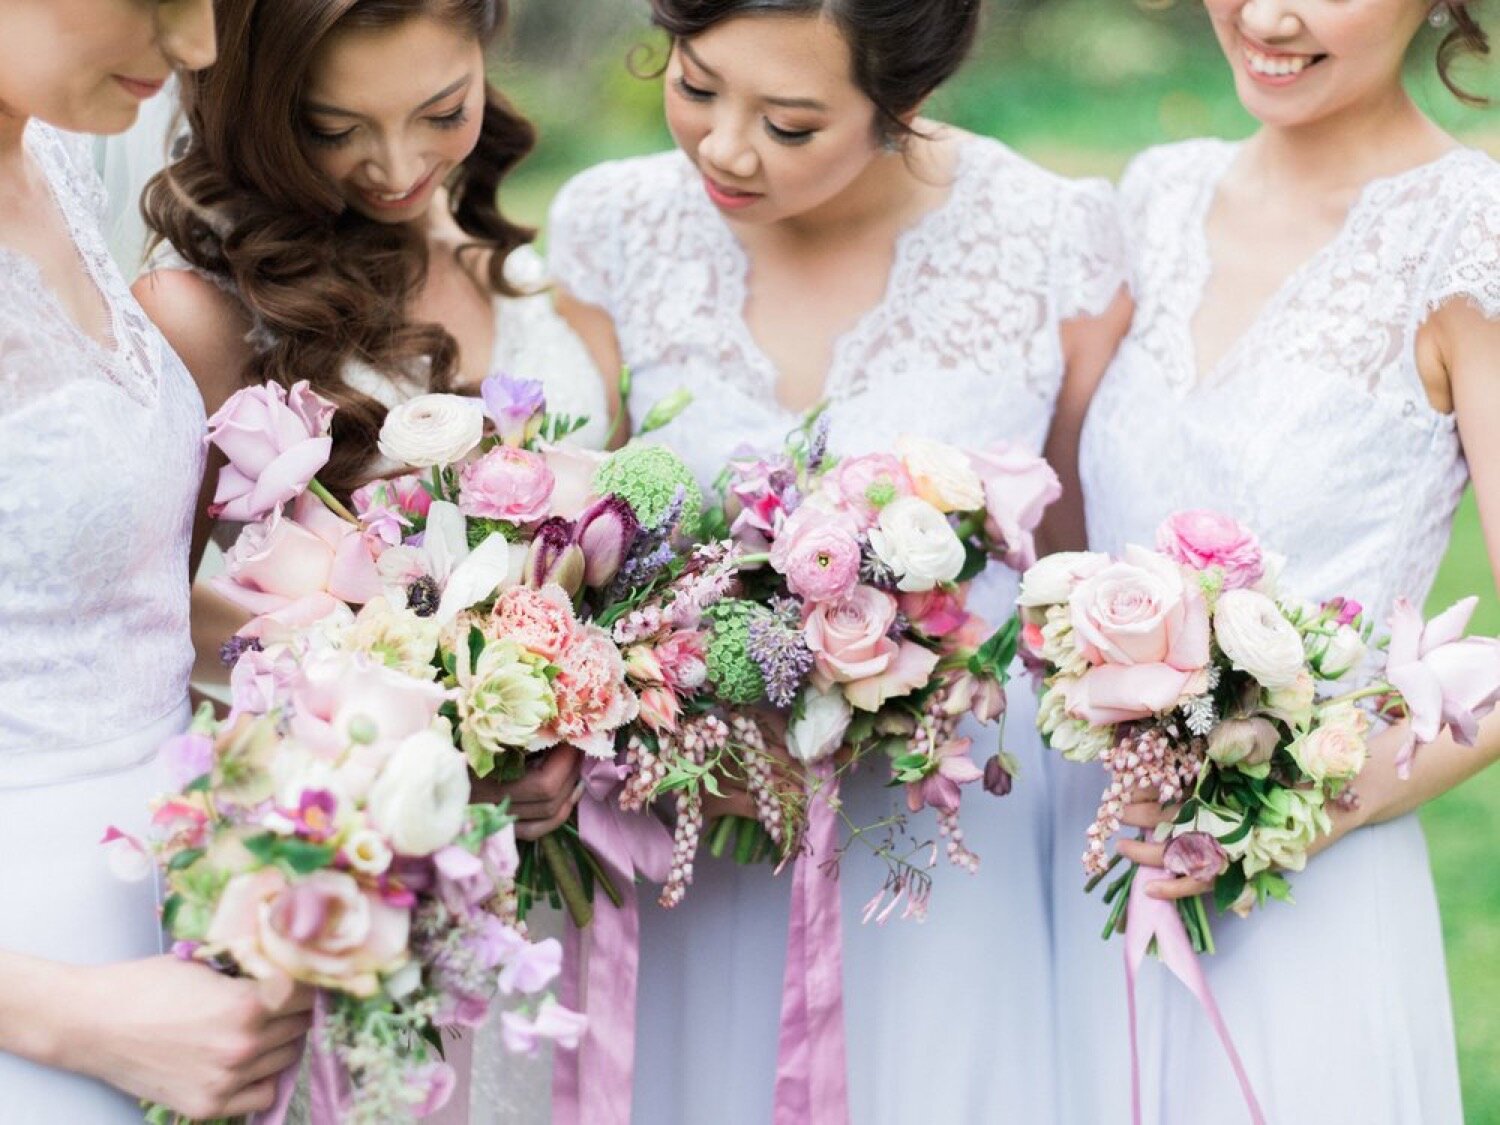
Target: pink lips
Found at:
x=407, y=200
x=140, y=88
x=728, y=198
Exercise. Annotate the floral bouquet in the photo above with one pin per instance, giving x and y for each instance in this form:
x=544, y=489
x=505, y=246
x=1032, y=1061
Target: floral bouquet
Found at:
x=490, y=562
x=849, y=638
x=329, y=841
x=1189, y=672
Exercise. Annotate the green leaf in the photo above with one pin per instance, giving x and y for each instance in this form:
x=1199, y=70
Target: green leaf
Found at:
x=185, y=859
x=476, y=646
x=301, y=857
x=1228, y=887
x=996, y=654
x=975, y=560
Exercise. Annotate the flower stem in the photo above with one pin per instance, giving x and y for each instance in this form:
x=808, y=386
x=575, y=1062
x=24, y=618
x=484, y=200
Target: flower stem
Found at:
x=1380, y=688
x=601, y=876
x=580, y=909
x=331, y=501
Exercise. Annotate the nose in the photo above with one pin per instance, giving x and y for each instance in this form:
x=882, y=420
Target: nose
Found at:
x=187, y=33
x=1270, y=20
x=726, y=148
x=396, y=166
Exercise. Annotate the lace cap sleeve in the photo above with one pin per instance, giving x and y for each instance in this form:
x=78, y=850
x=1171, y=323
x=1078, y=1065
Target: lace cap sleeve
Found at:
x=1090, y=250
x=583, y=243
x=1472, y=269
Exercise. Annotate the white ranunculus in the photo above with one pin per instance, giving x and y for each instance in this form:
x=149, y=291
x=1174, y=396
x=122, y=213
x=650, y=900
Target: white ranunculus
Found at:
x=819, y=730
x=432, y=430
x=1258, y=639
x=941, y=474
x=1336, y=656
x=1334, y=750
x=421, y=795
x=916, y=541
x=1051, y=580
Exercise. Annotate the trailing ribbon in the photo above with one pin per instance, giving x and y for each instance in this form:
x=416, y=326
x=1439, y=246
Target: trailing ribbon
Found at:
x=592, y=1085
x=811, y=1076
x=1148, y=918
x=329, y=1084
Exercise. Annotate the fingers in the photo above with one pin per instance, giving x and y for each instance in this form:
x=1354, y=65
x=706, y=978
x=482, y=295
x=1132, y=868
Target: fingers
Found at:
x=273, y=1062
x=283, y=1030
x=734, y=802
x=1145, y=814
x=254, y=1098
x=282, y=996
x=546, y=788
x=1181, y=887
x=1147, y=853
x=527, y=829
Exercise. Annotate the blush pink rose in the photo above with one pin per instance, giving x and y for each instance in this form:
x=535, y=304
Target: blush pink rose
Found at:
x=1145, y=630
x=282, y=560
x=540, y=620
x=1201, y=539
x=911, y=668
x=818, y=552
x=275, y=440
x=323, y=930
x=864, y=485
x=1018, y=487
x=508, y=484
x=850, y=638
x=593, y=700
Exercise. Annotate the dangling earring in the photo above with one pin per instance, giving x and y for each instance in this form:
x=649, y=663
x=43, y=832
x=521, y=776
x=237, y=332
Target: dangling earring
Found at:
x=1440, y=15
x=890, y=143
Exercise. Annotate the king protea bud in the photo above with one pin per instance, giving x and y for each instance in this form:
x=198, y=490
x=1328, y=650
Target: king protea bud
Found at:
x=555, y=558
x=605, y=531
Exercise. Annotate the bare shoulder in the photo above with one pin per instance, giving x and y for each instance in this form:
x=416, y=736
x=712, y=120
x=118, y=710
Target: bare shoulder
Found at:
x=205, y=325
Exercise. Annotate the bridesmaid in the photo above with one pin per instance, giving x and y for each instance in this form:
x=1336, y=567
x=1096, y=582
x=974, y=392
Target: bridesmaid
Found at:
x=814, y=239
x=101, y=431
x=1313, y=353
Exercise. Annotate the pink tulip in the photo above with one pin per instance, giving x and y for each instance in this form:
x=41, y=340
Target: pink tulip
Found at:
x=1445, y=679
x=554, y=559
x=605, y=532
x=275, y=442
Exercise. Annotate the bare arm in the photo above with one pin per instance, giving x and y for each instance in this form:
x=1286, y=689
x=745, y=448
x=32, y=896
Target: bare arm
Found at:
x=597, y=331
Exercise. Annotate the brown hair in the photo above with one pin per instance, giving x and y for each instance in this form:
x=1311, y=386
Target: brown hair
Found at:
x=326, y=284
x=1465, y=37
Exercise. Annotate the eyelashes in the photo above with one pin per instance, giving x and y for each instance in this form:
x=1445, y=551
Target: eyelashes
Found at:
x=454, y=120
x=790, y=137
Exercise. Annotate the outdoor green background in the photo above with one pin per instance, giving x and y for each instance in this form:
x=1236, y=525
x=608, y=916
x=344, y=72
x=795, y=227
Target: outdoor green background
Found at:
x=1080, y=86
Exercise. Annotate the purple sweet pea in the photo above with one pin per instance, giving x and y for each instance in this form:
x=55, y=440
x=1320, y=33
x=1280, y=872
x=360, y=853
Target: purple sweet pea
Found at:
x=516, y=406
x=188, y=757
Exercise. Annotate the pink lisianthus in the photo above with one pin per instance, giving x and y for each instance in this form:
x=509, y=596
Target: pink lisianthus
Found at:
x=864, y=485
x=941, y=788
x=1018, y=486
x=539, y=620
x=1445, y=679
x=1202, y=539
x=275, y=440
x=323, y=929
x=593, y=700
x=282, y=560
x=818, y=552
x=935, y=613
x=1146, y=633
x=514, y=485
x=850, y=639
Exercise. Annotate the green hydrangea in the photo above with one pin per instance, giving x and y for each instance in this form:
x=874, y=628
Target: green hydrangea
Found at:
x=734, y=674
x=647, y=476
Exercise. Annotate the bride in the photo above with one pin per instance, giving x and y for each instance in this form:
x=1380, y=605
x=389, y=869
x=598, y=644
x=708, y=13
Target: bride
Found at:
x=333, y=218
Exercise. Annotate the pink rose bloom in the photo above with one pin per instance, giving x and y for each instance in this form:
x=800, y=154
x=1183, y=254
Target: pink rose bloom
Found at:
x=1146, y=631
x=864, y=485
x=540, y=620
x=1445, y=679
x=275, y=441
x=323, y=930
x=282, y=560
x=593, y=700
x=818, y=552
x=850, y=639
x=292, y=622
x=508, y=484
x=934, y=613
x=572, y=472
x=1202, y=539
x=912, y=667
x=1018, y=486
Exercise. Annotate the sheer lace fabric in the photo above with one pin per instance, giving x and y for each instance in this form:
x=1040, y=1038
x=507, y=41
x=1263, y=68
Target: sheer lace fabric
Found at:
x=102, y=456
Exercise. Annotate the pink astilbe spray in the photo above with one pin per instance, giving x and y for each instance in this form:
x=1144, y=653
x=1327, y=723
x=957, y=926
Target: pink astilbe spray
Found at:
x=1143, y=759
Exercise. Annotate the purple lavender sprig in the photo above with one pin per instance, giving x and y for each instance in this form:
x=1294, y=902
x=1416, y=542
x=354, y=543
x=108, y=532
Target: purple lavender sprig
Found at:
x=775, y=644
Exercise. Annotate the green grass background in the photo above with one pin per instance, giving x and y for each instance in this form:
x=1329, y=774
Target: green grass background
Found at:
x=1081, y=85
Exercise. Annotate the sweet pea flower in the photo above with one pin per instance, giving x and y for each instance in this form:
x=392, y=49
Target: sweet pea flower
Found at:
x=275, y=440
x=516, y=406
x=1445, y=679
x=1202, y=539
x=529, y=966
x=552, y=1022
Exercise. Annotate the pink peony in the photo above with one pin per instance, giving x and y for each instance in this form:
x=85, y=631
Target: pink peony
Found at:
x=539, y=620
x=1018, y=486
x=818, y=552
x=1145, y=630
x=282, y=560
x=850, y=639
x=275, y=441
x=1201, y=539
x=323, y=929
x=508, y=484
x=864, y=485
x=593, y=700
x=1445, y=678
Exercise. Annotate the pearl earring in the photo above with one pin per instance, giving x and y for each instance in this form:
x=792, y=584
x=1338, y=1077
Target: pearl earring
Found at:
x=1439, y=16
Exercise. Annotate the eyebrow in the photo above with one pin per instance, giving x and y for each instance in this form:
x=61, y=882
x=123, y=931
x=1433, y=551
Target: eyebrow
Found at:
x=785, y=103
x=448, y=91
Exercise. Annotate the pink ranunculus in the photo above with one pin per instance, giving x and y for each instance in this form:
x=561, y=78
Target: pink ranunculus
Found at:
x=275, y=441
x=935, y=613
x=283, y=560
x=572, y=472
x=864, y=485
x=323, y=929
x=593, y=700
x=1445, y=679
x=912, y=667
x=1018, y=486
x=508, y=484
x=540, y=620
x=1201, y=539
x=850, y=639
x=818, y=552
x=1145, y=630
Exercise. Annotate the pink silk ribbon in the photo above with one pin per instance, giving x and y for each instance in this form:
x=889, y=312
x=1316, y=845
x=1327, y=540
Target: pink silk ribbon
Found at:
x=592, y=1084
x=811, y=1075
x=1148, y=918
x=329, y=1084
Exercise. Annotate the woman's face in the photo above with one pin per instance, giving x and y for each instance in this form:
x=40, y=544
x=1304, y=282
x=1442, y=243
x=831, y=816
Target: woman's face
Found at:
x=1299, y=62
x=767, y=109
x=87, y=65
x=390, y=112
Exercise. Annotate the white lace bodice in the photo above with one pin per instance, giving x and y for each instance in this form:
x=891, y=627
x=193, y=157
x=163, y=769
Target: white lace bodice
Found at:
x=963, y=347
x=101, y=456
x=1314, y=429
